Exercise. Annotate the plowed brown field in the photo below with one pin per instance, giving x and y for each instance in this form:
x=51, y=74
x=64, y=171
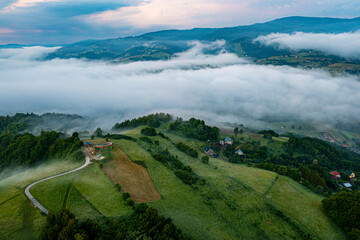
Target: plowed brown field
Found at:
x=132, y=177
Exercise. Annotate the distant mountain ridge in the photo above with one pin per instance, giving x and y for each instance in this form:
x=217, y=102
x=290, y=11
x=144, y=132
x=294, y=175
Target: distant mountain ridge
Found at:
x=163, y=44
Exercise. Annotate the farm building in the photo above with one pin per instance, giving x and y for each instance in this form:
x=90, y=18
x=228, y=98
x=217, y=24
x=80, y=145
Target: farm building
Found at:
x=350, y=173
x=208, y=151
x=239, y=152
x=229, y=141
x=335, y=174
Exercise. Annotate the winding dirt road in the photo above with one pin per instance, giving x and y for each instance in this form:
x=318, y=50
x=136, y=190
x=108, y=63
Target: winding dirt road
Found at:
x=36, y=202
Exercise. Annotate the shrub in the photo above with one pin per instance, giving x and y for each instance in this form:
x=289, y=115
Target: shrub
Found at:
x=148, y=131
x=186, y=177
x=205, y=159
x=130, y=202
x=186, y=149
x=126, y=195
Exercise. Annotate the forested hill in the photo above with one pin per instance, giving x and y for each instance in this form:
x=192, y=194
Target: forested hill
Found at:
x=31, y=122
x=163, y=44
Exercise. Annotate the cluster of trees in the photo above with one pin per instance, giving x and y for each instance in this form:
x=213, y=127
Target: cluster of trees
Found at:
x=312, y=176
x=152, y=120
x=186, y=149
x=144, y=223
x=148, y=131
x=185, y=173
x=27, y=149
x=252, y=149
x=268, y=134
x=195, y=128
x=329, y=156
x=344, y=209
x=98, y=132
x=27, y=121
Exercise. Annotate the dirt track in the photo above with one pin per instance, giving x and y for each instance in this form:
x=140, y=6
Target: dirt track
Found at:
x=133, y=178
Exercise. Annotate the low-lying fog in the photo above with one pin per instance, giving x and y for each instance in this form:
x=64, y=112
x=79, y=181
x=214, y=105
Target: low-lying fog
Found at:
x=220, y=87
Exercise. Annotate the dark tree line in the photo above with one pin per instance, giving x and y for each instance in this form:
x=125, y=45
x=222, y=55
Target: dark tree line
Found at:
x=329, y=156
x=186, y=149
x=185, y=173
x=152, y=120
x=344, y=209
x=144, y=223
x=195, y=128
x=27, y=149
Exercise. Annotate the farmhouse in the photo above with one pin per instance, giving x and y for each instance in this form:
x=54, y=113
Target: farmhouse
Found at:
x=208, y=151
x=350, y=173
x=335, y=174
x=229, y=141
x=239, y=152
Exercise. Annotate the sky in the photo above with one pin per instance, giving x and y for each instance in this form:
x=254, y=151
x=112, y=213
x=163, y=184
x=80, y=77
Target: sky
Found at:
x=221, y=88
x=57, y=22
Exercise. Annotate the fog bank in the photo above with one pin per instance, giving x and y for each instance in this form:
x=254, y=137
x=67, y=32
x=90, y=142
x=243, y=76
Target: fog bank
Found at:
x=220, y=87
x=345, y=45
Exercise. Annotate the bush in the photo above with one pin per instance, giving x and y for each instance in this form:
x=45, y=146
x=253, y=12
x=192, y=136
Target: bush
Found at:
x=130, y=202
x=205, y=159
x=149, y=131
x=186, y=177
x=186, y=149
x=126, y=195
x=146, y=139
x=118, y=187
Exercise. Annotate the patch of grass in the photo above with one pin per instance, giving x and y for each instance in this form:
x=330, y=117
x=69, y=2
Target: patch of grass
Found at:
x=80, y=206
x=234, y=197
x=18, y=218
x=304, y=207
x=97, y=188
x=222, y=208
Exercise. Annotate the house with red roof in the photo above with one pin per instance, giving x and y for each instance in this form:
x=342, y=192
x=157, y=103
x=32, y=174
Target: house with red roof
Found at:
x=335, y=174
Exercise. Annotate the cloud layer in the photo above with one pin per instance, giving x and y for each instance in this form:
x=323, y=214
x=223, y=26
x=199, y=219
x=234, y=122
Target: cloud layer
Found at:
x=345, y=45
x=67, y=21
x=222, y=87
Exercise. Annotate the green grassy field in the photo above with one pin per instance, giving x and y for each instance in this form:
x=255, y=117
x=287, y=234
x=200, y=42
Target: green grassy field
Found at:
x=90, y=187
x=244, y=202
x=236, y=202
x=18, y=219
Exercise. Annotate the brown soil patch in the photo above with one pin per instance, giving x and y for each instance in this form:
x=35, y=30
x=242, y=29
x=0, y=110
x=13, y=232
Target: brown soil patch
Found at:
x=133, y=178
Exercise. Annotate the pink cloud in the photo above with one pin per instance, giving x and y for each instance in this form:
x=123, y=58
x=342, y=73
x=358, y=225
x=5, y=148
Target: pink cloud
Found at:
x=24, y=4
x=6, y=30
x=179, y=13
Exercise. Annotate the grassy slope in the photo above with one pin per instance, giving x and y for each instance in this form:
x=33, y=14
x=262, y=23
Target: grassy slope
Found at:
x=237, y=202
x=90, y=187
x=18, y=219
x=240, y=187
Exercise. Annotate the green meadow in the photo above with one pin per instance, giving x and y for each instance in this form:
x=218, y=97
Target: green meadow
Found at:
x=236, y=201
